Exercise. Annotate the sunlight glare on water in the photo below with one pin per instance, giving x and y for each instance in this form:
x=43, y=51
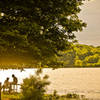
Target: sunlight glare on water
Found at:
x=75, y=80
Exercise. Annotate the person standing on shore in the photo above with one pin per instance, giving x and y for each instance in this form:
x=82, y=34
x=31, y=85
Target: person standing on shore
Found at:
x=6, y=85
x=15, y=80
x=14, y=83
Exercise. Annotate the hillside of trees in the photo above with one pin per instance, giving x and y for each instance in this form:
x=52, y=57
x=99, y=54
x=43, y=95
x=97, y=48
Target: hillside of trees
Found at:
x=81, y=56
x=78, y=55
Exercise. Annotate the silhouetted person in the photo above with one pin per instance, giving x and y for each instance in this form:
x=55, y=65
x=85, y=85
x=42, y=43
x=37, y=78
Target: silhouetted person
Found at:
x=6, y=85
x=14, y=83
x=15, y=80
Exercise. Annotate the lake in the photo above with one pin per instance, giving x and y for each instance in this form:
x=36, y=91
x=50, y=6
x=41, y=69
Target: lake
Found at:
x=85, y=81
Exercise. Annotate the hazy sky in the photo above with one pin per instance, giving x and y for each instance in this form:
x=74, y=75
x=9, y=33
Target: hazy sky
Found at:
x=91, y=15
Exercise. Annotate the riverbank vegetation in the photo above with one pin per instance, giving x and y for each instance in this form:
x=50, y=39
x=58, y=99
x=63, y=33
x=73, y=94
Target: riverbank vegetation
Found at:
x=81, y=56
x=35, y=88
x=47, y=97
x=78, y=56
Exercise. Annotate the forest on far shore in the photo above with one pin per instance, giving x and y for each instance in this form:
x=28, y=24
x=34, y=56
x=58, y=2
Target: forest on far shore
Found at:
x=81, y=56
x=78, y=56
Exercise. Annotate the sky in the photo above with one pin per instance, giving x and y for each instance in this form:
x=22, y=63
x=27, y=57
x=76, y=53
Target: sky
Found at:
x=91, y=15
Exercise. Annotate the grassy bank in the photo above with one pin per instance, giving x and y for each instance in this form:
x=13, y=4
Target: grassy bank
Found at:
x=17, y=96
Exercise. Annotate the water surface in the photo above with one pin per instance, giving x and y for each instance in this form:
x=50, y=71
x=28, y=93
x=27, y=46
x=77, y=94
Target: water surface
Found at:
x=75, y=80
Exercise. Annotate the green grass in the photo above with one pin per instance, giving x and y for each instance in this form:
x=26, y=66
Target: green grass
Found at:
x=17, y=96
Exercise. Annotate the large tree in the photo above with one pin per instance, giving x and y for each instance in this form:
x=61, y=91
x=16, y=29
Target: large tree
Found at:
x=36, y=30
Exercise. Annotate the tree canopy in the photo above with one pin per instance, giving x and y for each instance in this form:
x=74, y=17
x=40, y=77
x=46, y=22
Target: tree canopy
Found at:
x=36, y=30
x=81, y=56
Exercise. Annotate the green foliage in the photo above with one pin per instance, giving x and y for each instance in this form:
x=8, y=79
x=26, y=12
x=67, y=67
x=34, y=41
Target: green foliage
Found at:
x=33, y=88
x=78, y=56
x=69, y=96
x=15, y=96
x=36, y=30
x=81, y=56
x=78, y=63
x=92, y=59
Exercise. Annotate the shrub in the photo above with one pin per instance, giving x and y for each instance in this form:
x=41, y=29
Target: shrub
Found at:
x=33, y=88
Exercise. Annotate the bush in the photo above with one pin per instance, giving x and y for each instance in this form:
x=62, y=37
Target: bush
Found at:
x=69, y=95
x=33, y=88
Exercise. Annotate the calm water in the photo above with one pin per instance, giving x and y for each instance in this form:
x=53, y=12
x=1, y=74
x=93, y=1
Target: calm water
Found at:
x=84, y=81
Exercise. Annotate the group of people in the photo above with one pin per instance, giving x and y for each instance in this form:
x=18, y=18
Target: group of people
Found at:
x=8, y=85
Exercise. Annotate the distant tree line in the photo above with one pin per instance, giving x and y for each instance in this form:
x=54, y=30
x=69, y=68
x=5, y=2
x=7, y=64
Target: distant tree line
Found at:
x=81, y=56
x=78, y=55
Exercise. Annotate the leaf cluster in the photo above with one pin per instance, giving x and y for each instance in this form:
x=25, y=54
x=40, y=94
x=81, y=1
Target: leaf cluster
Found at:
x=38, y=29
